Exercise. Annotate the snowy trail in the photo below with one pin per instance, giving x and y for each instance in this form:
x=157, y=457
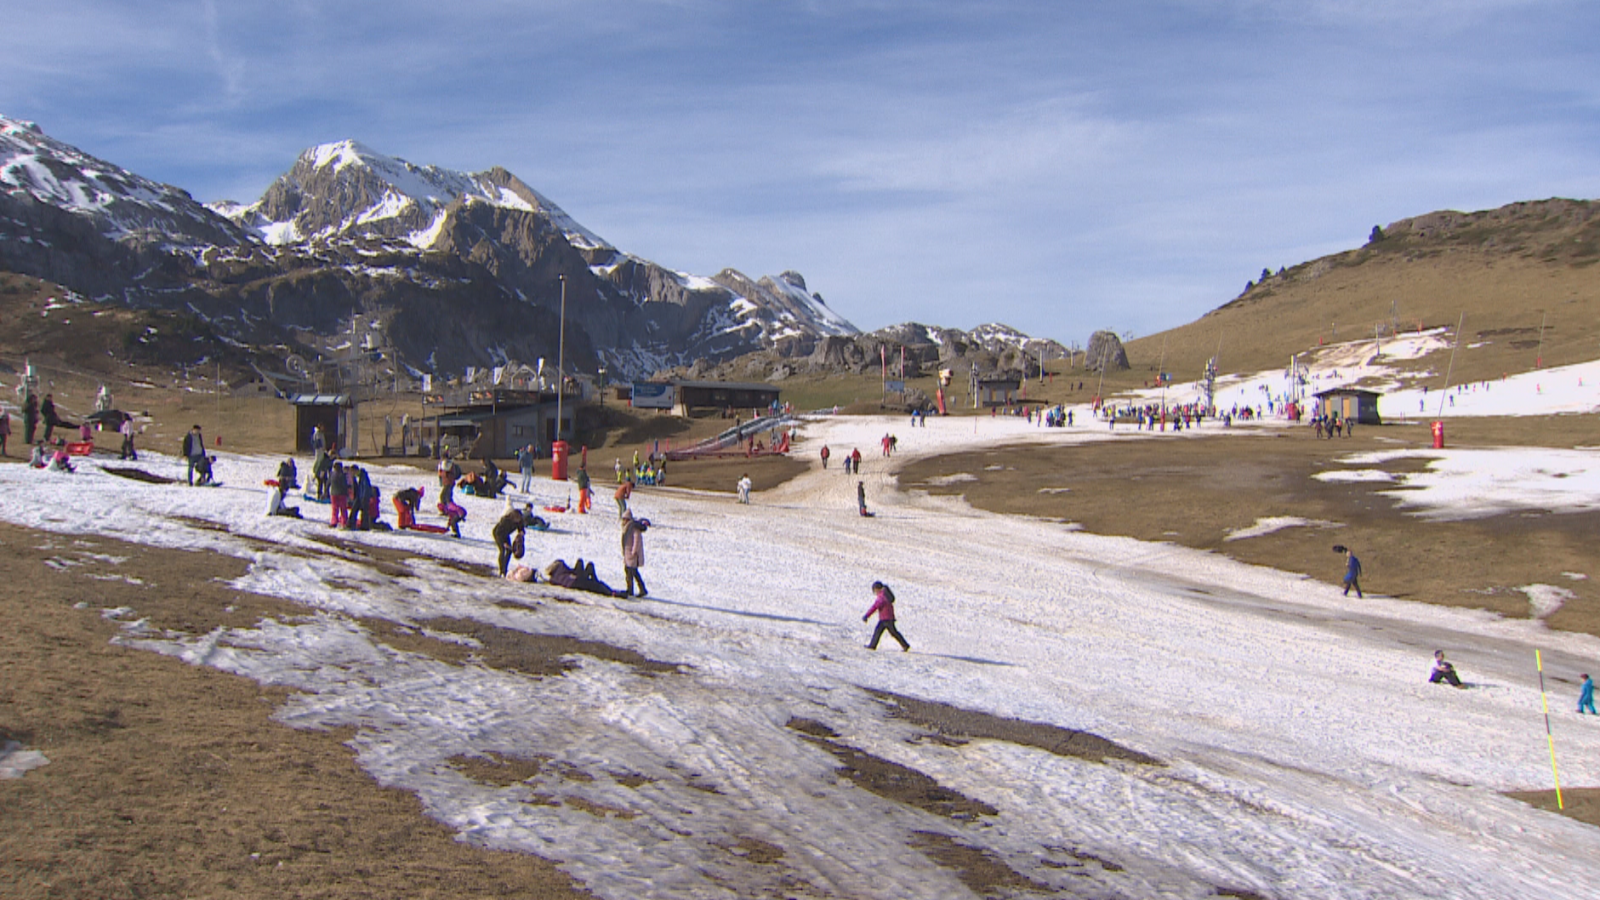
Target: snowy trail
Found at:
x=1304, y=755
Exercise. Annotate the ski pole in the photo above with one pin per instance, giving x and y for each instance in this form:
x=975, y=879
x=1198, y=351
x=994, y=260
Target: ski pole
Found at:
x=1550, y=738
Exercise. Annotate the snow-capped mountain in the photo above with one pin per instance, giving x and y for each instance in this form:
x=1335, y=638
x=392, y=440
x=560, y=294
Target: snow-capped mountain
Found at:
x=993, y=338
x=346, y=188
x=117, y=203
x=459, y=269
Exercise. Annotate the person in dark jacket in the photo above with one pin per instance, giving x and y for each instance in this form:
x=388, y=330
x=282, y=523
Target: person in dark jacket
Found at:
x=579, y=577
x=525, y=466
x=883, y=605
x=339, y=494
x=194, y=450
x=406, y=503
x=585, y=490
x=288, y=475
x=515, y=521
x=30, y=417
x=47, y=412
x=1443, y=671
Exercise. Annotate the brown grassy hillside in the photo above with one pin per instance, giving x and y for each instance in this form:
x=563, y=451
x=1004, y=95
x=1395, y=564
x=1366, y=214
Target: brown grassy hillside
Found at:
x=1507, y=270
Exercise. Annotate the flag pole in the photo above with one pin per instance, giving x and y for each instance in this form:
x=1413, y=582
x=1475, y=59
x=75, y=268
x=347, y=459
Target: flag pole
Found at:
x=1548, y=736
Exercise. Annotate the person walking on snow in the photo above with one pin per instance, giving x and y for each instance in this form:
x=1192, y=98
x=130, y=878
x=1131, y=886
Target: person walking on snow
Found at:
x=5, y=431
x=824, y=456
x=633, y=552
x=883, y=605
x=585, y=491
x=744, y=489
x=1352, y=570
x=621, y=496
x=1586, y=695
x=194, y=450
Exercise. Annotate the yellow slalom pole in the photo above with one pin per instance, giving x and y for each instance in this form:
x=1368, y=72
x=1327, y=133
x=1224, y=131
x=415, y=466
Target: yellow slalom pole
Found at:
x=1550, y=738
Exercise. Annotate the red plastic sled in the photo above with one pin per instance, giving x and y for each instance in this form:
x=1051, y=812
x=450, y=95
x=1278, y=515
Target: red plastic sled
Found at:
x=431, y=529
x=80, y=448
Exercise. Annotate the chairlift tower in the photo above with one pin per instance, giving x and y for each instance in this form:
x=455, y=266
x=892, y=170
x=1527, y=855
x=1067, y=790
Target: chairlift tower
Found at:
x=1296, y=374
x=1211, y=386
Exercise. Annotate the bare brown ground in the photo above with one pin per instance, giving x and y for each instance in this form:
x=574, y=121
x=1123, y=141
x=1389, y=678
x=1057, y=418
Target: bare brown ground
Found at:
x=170, y=780
x=1582, y=804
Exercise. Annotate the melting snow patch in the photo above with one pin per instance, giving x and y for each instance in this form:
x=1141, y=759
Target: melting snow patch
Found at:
x=1544, y=599
x=15, y=761
x=959, y=477
x=1576, y=576
x=1352, y=475
x=1275, y=523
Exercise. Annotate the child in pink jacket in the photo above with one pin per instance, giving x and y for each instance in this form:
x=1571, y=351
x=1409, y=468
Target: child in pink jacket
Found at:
x=883, y=605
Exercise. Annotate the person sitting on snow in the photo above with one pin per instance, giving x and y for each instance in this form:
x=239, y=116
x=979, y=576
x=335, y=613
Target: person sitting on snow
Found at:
x=40, y=457
x=1443, y=671
x=275, y=504
x=288, y=475
x=61, y=462
x=202, y=469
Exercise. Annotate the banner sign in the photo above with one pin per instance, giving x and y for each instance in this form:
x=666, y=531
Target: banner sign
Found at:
x=654, y=395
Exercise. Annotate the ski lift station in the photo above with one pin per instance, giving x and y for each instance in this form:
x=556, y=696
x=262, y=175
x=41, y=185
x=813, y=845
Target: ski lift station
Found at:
x=1351, y=404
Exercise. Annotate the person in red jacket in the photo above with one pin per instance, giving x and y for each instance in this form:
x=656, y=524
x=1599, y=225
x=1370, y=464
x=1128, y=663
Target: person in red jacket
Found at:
x=883, y=605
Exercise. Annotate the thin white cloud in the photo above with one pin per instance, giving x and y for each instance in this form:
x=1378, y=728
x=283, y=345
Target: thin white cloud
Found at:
x=1056, y=166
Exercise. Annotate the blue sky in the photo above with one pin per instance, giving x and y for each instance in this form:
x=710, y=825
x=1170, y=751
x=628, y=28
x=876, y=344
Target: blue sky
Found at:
x=1057, y=166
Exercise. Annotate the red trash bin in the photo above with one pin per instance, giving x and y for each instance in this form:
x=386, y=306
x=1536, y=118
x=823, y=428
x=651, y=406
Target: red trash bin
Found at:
x=1438, y=435
x=558, y=461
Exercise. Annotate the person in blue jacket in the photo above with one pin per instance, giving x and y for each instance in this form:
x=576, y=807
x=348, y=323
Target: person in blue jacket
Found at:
x=1586, y=695
x=1352, y=570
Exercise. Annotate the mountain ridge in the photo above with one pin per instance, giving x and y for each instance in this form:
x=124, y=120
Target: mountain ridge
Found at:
x=456, y=269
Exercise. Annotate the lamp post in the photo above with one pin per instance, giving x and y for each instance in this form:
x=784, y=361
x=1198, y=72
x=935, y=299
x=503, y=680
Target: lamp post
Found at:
x=561, y=356
x=602, y=372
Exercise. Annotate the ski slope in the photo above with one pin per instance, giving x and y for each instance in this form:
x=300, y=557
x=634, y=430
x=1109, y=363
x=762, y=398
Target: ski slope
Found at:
x=1302, y=752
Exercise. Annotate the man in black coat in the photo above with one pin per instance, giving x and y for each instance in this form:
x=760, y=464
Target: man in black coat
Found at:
x=515, y=520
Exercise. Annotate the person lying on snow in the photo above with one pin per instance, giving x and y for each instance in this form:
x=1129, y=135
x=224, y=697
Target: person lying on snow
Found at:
x=579, y=576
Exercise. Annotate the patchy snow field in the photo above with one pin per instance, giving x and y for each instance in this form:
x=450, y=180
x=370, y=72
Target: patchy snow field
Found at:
x=1304, y=753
